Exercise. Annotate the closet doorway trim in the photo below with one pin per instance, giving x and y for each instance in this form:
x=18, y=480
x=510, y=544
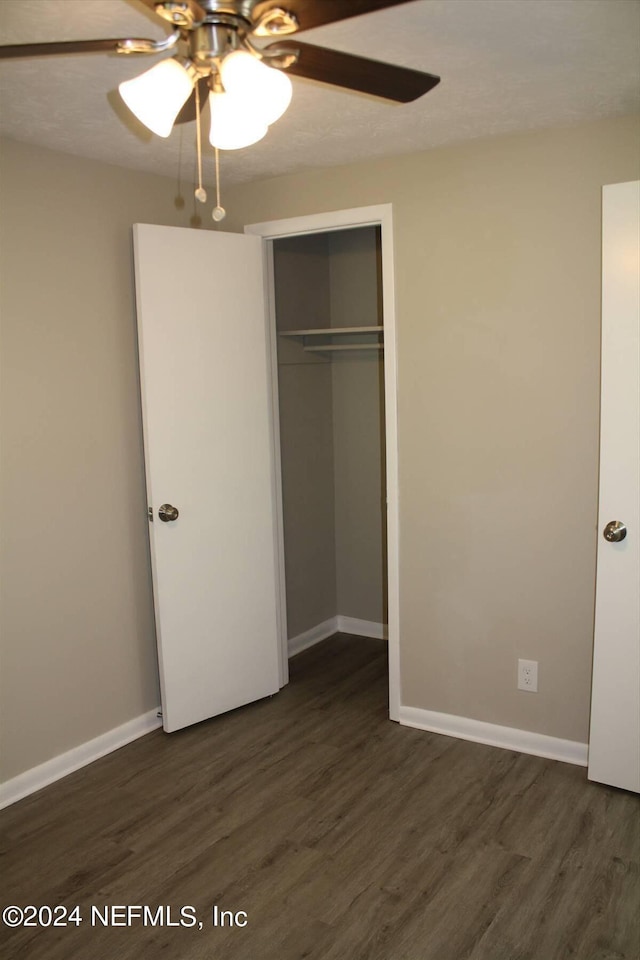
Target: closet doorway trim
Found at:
x=382, y=216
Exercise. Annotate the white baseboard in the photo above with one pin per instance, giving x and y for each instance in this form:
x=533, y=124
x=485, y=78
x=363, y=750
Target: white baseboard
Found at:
x=38, y=777
x=509, y=738
x=310, y=637
x=362, y=628
x=339, y=624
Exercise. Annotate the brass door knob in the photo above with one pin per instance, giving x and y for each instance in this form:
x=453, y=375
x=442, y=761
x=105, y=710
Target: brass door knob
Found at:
x=167, y=513
x=614, y=531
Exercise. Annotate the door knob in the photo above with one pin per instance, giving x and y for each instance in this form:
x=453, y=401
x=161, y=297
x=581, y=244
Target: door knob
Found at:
x=614, y=531
x=168, y=513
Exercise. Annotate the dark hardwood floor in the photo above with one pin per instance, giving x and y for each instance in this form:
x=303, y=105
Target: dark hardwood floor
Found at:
x=341, y=835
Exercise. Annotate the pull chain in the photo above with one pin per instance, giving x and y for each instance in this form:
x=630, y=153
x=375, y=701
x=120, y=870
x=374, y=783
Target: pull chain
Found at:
x=219, y=212
x=200, y=193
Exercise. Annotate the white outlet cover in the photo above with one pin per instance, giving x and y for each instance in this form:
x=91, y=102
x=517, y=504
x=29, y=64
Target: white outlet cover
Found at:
x=528, y=675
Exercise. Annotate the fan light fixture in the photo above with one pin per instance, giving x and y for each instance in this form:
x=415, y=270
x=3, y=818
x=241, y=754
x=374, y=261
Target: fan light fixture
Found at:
x=267, y=89
x=247, y=97
x=254, y=96
x=233, y=124
x=157, y=95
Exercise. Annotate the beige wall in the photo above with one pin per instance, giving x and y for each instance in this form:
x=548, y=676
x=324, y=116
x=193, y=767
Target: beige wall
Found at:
x=358, y=429
x=358, y=443
x=497, y=254
x=306, y=434
x=78, y=649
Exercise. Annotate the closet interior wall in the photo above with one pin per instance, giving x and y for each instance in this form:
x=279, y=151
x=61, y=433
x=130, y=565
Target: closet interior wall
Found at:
x=331, y=430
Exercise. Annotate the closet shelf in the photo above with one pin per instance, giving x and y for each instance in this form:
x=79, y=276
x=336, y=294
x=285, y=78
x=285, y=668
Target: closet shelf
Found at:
x=310, y=338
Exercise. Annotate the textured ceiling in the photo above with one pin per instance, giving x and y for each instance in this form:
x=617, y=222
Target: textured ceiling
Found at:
x=506, y=65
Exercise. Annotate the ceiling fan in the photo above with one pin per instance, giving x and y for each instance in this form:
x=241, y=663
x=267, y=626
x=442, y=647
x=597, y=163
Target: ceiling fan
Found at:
x=213, y=28
x=219, y=51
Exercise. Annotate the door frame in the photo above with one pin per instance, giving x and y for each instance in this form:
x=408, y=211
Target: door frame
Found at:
x=377, y=216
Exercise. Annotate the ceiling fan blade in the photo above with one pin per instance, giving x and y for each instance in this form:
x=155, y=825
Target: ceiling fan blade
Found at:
x=310, y=13
x=197, y=11
x=356, y=73
x=188, y=111
x=53, y=49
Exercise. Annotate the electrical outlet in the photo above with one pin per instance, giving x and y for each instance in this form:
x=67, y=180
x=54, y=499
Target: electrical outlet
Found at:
x=528, y=675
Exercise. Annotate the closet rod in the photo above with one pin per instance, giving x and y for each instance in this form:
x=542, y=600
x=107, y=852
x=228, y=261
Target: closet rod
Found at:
x=325, y=348
x=329, y=331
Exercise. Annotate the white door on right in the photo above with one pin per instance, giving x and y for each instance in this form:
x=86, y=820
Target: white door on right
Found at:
x=614, y=742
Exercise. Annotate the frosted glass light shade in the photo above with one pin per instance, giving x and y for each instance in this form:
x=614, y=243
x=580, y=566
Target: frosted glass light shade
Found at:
x=268, y=89
x=157, y=96
x=233, y=123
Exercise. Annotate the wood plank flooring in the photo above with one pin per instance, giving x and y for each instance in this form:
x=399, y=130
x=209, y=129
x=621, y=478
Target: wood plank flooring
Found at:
x=341, y=835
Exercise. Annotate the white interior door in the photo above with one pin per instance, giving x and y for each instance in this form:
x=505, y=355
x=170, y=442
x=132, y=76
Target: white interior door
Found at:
x=614, y=744
x=208, y=453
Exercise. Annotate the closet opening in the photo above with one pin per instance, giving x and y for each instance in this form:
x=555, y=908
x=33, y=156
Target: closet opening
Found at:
x=329, y=347
x=309, y=260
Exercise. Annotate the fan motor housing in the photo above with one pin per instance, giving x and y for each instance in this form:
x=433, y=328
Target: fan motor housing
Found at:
x=212, y=41
x=180, y=13
x=239, y=8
